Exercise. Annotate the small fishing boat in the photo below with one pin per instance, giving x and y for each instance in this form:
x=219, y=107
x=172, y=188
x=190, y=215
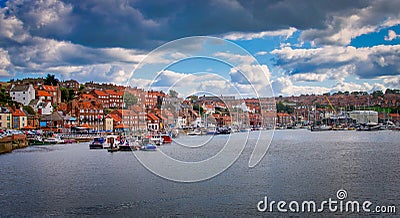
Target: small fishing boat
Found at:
x=54, y=140
x=224, y=130
x=111, y=142
x=370, y=126
x=97, y=143
x=166, y=138
x=211, y=131
x=147, y=145
x=195, y=132
x=125, y=146
x=320, y=128
x=155, y=139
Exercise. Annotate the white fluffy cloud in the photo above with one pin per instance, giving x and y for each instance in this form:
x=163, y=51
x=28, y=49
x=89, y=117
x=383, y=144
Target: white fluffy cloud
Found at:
x=4, y=62
x=284, y=86
x=309, y=77
x=369, y=62
x=342, y=28
x=391, y=35
x=286, y=33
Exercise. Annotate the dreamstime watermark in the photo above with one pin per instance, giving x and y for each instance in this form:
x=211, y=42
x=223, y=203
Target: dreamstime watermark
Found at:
x=338, y=204
x=221, y=69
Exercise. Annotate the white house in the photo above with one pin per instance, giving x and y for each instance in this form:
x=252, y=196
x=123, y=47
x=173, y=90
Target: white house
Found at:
x=42, y=107
x=22, y=93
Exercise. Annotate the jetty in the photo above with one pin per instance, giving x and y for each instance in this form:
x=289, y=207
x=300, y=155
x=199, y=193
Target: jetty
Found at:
x=9, y=143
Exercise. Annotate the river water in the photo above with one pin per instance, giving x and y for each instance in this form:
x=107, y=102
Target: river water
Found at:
x=71, y=180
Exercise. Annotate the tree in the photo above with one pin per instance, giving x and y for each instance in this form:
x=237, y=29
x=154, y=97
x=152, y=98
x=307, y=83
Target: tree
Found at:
x=377, y=93
x=173, y=93
x=64, y=94
x=196, y=108
x=51, y=80
x=130, y=99
x=4, y=97
x=71, y=94
x=29, y=110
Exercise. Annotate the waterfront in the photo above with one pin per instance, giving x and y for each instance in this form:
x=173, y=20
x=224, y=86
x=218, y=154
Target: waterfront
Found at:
x=70, y=180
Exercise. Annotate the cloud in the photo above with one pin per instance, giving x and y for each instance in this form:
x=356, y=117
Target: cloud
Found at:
x=286, y=33
x=391, y=35
x=147, y=24
x=261, y=53
x=4, y=63
x=105, y=40
x=368, y=62
x=391, y=81
x=284, y=86
x=340, y=28
x=309, y=77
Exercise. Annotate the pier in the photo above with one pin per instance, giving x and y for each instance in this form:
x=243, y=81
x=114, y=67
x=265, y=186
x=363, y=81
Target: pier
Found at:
x=9, y=143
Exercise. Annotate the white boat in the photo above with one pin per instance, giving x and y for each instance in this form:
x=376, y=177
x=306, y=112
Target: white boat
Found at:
x=370, y=126
x=321, y=128
x=156, y=139
x=195, y=132
x=54, y=140
x=111, y=142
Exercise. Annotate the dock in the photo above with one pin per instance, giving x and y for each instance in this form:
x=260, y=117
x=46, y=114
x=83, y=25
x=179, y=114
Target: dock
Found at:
x=9, y=143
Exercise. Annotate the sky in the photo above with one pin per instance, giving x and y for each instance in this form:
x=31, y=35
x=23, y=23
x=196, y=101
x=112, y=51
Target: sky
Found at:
x=291, y=47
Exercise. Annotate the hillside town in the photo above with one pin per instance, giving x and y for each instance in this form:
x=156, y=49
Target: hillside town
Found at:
x=68, y=106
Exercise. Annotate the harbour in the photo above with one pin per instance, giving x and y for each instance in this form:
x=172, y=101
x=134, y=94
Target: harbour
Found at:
x=73, y=180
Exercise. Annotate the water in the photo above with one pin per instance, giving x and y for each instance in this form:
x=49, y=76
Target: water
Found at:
x=69, y=180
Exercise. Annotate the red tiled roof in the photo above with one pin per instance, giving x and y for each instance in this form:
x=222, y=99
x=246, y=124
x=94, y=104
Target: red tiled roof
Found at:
x=43, y=93
x=121, y=126
x=18, y=113
x=87, y=96
x=86, y=125
x=49, y=88
x=110, y=92
x=153, y=117
x=115, y=117
x=99, y=93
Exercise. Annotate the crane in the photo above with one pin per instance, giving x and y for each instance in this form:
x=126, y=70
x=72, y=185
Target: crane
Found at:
x=332, y=108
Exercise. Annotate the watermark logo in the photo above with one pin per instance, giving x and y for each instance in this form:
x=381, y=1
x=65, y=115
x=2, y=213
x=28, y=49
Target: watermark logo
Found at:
x=208, y=68
x=341, y=204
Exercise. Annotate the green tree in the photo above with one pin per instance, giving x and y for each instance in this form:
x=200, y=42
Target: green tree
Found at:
x=377, y=93
x=173, y=93
x=4, y=97
x=64, y=94
x=29, y=110
x=196, y=108
x=51, y=80
x=130, y=99
x=71, y=94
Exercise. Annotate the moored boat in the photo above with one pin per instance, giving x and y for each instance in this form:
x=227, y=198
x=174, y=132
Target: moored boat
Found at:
x=97, y=143
x=370, y=126
x=53, y=140
x=111, y=142
x=320, y=128
x=125, y=146
x=146, y=145
x=166, y=138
